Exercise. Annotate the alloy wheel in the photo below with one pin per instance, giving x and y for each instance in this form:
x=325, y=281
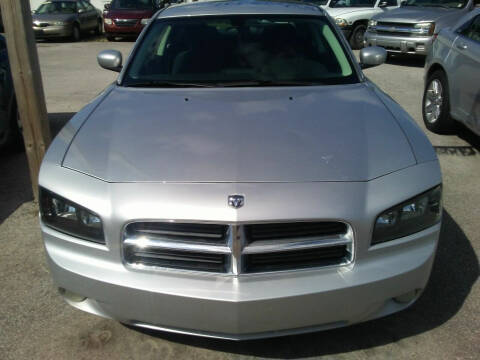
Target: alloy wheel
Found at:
x=433, y=101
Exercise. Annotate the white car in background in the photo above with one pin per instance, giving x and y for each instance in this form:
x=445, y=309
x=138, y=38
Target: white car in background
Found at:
x=352, y=16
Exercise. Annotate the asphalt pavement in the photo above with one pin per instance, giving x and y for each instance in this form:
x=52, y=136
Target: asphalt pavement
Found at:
x=35, y=323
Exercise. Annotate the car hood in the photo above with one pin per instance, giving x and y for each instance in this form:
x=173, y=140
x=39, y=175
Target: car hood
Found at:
x=129, y=14
x=53, y=17
x=278, y=134
x=335, y=12
x=410, y=14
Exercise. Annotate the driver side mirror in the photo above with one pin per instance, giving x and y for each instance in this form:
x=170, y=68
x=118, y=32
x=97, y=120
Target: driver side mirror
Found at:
x=372, y=56
x=403, y=3
x=110, y=60
x=383, y=4
x=106, y=6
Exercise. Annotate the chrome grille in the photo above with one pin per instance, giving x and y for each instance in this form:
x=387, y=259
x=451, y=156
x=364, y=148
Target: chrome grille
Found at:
x=397, y=29
x=237, y=248
x=125, y=22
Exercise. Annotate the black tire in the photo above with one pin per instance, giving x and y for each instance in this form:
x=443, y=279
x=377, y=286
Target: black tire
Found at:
x=436, y=104
x=357, y=35
x=11, y=139
x=76, y=35
x=99, y=28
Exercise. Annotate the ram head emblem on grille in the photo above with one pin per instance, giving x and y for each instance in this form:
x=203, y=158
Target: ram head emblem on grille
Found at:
x=236, y=201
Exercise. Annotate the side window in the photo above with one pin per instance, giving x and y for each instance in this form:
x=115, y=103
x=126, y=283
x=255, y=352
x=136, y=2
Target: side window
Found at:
x=86, y=5
x=473, y=30
x=81, y=6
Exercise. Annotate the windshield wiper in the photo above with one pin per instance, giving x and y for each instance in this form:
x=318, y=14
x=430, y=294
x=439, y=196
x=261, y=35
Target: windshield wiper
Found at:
x=437, y=5
x=166, y=84
x=248, y=83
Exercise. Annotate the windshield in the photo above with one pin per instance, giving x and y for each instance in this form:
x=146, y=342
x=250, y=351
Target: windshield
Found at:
x=57, y=7
x=315, y=2
x=352, y=3
x=240, y=50
x=132, y=4
x=451, y=4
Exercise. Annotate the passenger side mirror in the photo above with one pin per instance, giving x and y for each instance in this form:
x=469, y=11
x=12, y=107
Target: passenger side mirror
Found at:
x=110, y=60
x=403, y=3
x=106, y=6
x=372, y=56
x=383, y=4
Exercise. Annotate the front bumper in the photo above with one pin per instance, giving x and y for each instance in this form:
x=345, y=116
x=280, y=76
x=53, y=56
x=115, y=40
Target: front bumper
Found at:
x=399, y=44
x=52, y=31
x=250, y=306
x=114, y=30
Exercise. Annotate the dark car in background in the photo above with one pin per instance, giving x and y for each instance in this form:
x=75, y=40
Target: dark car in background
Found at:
x=10, y=128
x=66, y=19
x=126, y=18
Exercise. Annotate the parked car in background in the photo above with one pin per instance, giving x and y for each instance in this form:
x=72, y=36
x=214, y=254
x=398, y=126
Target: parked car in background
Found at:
x=352, y=16
x=241, y=179
x=66, y=19
x=412, y=28
x=452, y=77
x=124, y=18
x=10, y=126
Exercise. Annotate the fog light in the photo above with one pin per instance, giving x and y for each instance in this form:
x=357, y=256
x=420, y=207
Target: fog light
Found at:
x=71, y=295
x=407, y=297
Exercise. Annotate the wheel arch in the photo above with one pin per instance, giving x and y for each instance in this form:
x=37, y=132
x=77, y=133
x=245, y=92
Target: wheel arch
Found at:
x=436, y=67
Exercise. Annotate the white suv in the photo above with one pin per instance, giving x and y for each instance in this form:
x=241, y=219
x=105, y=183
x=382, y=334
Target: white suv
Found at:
x=352, y=16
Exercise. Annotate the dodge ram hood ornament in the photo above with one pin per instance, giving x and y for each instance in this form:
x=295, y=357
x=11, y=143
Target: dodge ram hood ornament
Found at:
x=236, y=201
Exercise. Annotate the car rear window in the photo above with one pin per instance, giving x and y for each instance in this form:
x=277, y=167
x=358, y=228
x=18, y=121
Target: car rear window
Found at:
x=226, y=50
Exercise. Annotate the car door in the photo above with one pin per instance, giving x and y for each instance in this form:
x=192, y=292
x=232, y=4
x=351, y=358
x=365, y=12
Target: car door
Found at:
x=465, y=77
x=82, y=16
x=92, y=15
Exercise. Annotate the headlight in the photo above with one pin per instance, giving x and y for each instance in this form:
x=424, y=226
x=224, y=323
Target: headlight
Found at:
x=108, y=21
x=341, y=22
x=70, y=218
x=372, y=23
x=144, y=21
x=409, y=217
x=425, y=28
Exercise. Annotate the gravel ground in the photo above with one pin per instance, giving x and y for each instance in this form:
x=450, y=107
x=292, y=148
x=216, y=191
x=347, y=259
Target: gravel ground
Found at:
x=36, y=323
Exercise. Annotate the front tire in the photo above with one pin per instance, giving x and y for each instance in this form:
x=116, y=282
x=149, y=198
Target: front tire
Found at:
x=99, y=28
x=356, y=38
x=76, y=33
x=436, y=104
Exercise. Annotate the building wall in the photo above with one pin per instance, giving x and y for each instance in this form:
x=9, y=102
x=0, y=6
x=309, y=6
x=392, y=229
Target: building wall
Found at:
x=97, y=3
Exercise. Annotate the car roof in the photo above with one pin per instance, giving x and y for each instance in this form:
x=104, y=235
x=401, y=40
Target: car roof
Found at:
x=239, y=7
x=48, y=1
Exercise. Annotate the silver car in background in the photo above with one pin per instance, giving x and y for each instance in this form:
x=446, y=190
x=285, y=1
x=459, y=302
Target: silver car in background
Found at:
x=452, y=77
x=411, y=28
x=66, y=19
x=241, y=179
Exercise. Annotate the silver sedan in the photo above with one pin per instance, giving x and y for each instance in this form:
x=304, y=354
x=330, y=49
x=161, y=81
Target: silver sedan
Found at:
x=452, y=77
x=241, y=179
